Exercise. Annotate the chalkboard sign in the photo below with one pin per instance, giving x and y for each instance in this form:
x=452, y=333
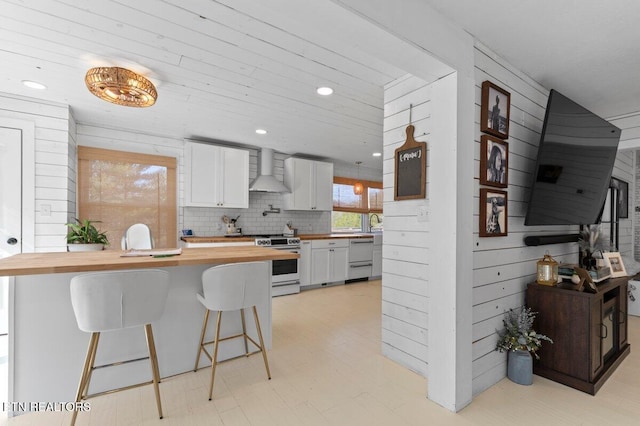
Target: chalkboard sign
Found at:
x=410, y=169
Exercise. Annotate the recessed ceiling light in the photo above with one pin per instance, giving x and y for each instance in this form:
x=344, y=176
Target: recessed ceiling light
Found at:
x=377, y=154
x=261, y=131
x=324, y=91
x=34, y=84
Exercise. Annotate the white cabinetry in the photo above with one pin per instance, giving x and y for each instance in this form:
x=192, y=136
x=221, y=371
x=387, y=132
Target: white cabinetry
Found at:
x=304, y=264
x=216, y=176
x=329, y=260
x=376, y=270
x=311, y=184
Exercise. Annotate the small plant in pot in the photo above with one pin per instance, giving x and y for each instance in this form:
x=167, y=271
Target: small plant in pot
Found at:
x=520, y=340
x=84, y=236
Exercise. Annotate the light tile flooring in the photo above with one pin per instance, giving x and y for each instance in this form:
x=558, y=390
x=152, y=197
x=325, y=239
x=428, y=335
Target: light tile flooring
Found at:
x=327, y=370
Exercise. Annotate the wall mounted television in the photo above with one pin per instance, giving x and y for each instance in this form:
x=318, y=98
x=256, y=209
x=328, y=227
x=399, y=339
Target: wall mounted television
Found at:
x=575, y=159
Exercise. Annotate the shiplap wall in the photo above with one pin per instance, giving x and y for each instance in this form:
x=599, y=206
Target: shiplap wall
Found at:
x=54, y=179
x=503, y=266
x=405, y=266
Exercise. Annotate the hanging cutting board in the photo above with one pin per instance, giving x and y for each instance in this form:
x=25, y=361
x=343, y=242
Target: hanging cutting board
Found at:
x=410, y=168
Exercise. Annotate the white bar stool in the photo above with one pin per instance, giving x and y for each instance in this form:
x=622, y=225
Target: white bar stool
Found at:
x=106, y=301
x=233, y=287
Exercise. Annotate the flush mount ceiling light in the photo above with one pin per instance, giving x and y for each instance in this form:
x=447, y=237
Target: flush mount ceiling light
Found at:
x=34, y=84
x=261, y=131
x=121, y=86
x=324, y=91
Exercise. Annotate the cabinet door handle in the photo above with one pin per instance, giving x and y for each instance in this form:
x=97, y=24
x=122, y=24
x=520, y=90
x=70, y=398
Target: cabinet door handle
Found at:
x=622, y=317
x=606, y=331
x=361, y=266
x=362, y=242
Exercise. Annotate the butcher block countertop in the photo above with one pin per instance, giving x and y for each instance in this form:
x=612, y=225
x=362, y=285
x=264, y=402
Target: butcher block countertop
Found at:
x=223, y=239
x=109, y=260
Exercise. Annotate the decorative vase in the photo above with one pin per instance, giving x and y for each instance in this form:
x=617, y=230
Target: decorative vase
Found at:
x=520, y=367
x=588, y=261
x=85, y=247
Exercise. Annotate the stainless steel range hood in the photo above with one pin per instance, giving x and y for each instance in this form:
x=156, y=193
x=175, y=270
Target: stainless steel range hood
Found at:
x=265, y=182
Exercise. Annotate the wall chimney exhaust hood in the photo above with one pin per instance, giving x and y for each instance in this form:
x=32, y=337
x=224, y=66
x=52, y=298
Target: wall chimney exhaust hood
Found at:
x=265, y=182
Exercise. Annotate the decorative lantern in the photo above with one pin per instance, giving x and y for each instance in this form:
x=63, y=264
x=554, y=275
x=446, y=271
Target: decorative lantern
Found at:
x=547, y=271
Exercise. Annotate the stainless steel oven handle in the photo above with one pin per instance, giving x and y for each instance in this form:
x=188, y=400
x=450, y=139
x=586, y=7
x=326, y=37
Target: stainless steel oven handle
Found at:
x=362, y=242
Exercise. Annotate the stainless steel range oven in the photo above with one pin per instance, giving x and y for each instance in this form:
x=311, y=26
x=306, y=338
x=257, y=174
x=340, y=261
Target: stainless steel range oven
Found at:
x=285, y=274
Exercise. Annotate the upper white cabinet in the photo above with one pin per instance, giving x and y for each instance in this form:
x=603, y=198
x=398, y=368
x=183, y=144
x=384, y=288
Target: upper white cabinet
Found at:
x=311, y=184
x=216, y=176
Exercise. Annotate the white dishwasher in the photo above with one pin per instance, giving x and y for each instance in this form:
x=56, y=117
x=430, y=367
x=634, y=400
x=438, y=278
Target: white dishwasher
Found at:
x=360, y=258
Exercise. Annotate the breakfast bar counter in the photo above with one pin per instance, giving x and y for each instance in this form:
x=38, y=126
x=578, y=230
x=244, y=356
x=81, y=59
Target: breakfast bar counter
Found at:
x=110, y=260
x=47, y=350
x=247, y=239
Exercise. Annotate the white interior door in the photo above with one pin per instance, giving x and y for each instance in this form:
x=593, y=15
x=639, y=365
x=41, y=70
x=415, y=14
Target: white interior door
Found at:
x=10, y=191
x=10, y=231
x=10, y=206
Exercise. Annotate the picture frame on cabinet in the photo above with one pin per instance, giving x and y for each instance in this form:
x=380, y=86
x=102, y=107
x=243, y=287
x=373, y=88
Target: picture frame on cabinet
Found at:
x=614, y=261
x=493, y=213
x=495, y=108
x=494, y=162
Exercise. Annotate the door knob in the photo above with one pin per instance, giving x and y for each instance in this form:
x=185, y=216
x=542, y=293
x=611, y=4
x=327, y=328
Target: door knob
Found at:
x=12, y=241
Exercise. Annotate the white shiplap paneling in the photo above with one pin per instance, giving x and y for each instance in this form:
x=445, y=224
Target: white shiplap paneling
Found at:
x=406, y=241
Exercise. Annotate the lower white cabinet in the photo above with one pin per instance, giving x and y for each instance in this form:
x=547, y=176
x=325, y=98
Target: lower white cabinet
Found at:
x=304, y=264
x=329, y=260
x=376, y=270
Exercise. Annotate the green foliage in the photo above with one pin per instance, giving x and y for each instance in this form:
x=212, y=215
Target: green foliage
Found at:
x=84, y=232
x=518, y=333
x=346, y=221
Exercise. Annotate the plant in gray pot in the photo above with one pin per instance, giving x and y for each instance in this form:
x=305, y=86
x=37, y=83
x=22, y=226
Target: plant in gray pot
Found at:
x=520, y=340
x=84, y=236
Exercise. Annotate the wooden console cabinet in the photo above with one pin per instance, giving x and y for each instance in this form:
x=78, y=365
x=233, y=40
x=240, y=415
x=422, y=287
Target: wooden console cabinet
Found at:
x=589, y=332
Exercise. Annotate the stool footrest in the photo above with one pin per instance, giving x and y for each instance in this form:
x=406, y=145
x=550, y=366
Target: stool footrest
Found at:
x=107, y=392
x=113, y=364
x=222, y=339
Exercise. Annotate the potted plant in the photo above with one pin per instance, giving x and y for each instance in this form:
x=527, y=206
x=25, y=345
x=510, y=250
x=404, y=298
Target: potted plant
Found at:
x=520, y=340
x=84, y=236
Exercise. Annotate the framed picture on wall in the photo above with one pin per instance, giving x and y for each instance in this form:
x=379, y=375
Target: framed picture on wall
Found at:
x=493, y=213
x=623, y=197
x=494, y=162
x=494, y=110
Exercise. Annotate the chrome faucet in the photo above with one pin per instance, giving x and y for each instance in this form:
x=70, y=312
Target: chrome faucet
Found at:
x=271, y=210
x=370, y=221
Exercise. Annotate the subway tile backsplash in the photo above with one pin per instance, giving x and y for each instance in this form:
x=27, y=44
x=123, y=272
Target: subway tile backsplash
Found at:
x=207, y=221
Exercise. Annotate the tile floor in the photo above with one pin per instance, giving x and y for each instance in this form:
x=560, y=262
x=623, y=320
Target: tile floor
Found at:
x=327, y=370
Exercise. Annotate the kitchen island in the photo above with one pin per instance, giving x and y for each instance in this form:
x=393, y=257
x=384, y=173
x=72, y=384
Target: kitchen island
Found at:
x=46, y=348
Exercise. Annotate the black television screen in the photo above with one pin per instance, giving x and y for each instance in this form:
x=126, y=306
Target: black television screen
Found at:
x=575, y=160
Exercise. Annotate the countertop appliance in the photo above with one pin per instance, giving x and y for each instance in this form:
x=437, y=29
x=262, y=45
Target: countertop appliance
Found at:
x=285, y=274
